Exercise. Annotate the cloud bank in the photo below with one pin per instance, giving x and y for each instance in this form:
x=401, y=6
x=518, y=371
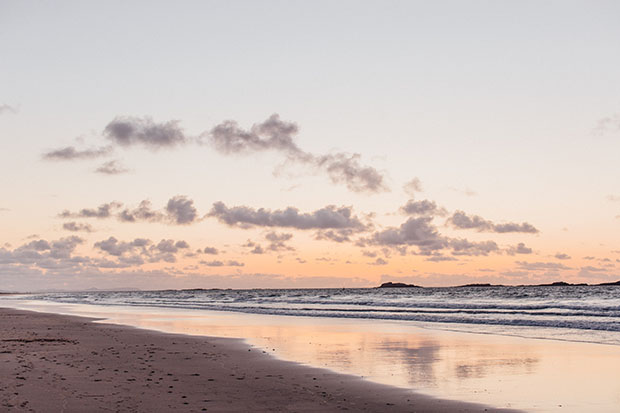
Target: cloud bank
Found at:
x=329, y=217
x=276, y=135
x=460, y=220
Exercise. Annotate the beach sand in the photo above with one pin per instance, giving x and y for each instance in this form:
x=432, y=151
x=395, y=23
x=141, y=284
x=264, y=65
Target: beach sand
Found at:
x=53, y=363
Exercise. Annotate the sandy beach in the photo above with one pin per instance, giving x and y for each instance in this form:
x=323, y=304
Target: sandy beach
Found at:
x=52, y=362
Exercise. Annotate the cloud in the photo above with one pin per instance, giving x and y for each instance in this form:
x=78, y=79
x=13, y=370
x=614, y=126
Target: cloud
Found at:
x=607, y=124
x=210, y=250
x=465, y=247
x=273, y=134
x=217, y=263
x=461, y=220
x=44, y=254
x=70, y=153
x=541, y=266
x=77, y=227
x=114, y=247
x=181, y=209
x=112, y=168
x=103, y=211
x=424, y=207
x=4, y=108
x=276, y=135
x=413, y=186
x=419, y=232
x=590, y=268
x=338, y=235
x=346, y=168
x=143, y=212
x=129, y=131
x=562, y=256
x=440, y=258
x=256, y=248
x=228, y=138
x=141, y=250
x=520, y=248
x=379, y=261
x=277, y=241
x=329, y=217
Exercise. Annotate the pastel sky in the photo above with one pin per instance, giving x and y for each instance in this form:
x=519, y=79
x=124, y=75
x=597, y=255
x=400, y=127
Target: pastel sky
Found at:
x=152, y=144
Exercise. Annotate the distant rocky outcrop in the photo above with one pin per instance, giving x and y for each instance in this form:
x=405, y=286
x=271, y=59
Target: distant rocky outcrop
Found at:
x=611, y=283
x=398, y=285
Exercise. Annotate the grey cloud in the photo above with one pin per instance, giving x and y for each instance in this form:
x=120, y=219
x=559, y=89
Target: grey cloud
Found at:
x=144, y=212
x=541, y=266
x=77, y=227
x=346, y=168
x=329, y=217
x=520, y=248
x=168, y=245
x=275, y=134
x=210, y=250
x=181, y=210
x=338, y=235
x=413, y=186
x=256, y=248
x=139, y=250
x=465, y=247
x=562, y=256
x=369, y=254
x=103, y=211
x=514, y=227
x=217, y=263
x=4, y=108
x=112, y=168
x=379, y=261
x=461, y=220
x=129, y=131
x=277, y=241
x=440, y=258
x=233, y=263
x=44, y=254
x=589, y=268
x=424, y=207
x=114, y=247
x=70, y=153
x=415, y=231
x=38, y=245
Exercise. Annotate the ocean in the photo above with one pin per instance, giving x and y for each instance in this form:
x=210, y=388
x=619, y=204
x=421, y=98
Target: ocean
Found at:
x=573, y=313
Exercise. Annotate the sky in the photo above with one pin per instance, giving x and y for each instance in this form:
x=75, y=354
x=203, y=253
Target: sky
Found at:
x=284, y=144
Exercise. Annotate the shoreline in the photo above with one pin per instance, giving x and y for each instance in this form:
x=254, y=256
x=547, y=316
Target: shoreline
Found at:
x=54, y=362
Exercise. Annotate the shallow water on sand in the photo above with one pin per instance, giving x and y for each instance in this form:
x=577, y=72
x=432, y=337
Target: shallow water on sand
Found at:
x=501, y=371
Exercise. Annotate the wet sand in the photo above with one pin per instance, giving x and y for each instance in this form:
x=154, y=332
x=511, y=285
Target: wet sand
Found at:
x=52, y=362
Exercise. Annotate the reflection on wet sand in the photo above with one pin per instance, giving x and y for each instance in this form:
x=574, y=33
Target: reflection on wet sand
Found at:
x=530, y=374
